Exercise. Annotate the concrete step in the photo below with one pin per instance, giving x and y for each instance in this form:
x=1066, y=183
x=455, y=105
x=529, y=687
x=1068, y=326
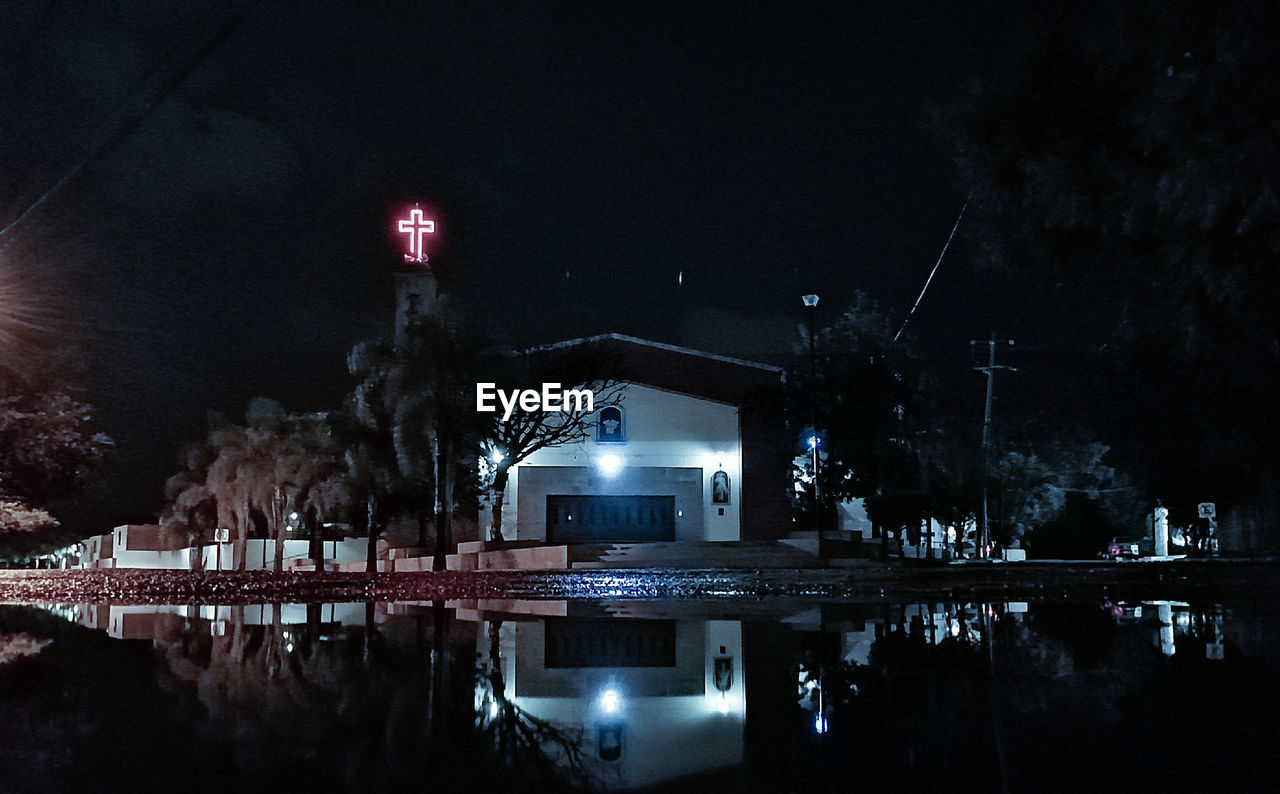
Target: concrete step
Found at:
x=405, y=552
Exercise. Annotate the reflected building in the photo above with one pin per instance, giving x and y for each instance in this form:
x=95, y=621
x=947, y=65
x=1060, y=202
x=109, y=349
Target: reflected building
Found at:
x=654, y=698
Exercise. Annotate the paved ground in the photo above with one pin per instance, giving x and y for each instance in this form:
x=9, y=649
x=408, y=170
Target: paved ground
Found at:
x=1185, y=579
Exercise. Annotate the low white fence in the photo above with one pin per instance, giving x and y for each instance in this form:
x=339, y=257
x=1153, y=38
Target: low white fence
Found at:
x=259, y=555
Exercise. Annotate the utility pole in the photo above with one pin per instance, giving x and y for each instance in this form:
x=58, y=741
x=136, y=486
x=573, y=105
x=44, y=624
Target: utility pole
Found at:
x=984, y=528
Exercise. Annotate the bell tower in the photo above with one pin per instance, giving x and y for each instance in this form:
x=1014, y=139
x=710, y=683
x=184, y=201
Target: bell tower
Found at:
x=417, y=294
x=416, y=298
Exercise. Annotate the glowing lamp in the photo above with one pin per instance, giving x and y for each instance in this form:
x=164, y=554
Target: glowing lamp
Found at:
x=609, y=464
x=820, y=724
x=496, y=456
x=810, y=300
x=814, y=441
x=610, y=701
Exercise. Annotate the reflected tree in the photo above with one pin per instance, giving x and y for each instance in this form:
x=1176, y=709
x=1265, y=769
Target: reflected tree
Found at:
x=537, y=749
x=387, y=701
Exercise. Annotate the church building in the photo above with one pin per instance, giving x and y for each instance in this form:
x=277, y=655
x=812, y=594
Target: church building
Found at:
x=693, y=453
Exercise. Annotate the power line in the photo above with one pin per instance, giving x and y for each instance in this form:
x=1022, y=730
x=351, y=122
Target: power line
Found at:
x=935, y=266
x=150, y=90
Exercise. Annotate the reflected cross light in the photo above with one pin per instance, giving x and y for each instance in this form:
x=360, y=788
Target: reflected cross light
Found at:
x=417, y=226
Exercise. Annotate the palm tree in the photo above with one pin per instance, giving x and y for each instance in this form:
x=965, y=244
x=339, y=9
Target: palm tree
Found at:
x=191, y=507
x=229, y=484
x=266, y=468
x=414, y=424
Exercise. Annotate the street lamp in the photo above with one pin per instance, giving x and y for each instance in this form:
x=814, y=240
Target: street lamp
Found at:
x=811, y=303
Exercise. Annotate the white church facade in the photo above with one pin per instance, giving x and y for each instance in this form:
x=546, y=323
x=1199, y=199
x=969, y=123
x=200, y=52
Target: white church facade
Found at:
x=650, y=474
x=692, y=454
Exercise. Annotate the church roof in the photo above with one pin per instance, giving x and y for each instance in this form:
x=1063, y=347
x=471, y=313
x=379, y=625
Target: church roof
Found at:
x=685, y=370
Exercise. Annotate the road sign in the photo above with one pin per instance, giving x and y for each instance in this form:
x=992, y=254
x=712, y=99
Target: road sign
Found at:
x=1207, y=510
x=221, y=535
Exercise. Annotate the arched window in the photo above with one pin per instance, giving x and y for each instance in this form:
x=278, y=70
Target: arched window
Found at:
x=612, y=427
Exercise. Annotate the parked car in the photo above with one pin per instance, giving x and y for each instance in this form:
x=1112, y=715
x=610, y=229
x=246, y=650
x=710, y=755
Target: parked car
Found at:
x=1127, y=548
x=1123, y=612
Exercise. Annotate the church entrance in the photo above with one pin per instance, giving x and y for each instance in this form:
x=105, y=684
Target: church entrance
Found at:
x=610, y=519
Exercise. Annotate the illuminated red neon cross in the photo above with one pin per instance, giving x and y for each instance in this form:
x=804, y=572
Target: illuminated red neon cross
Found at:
x=417, y=227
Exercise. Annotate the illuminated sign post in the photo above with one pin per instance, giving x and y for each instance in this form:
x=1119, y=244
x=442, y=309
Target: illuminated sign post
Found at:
x=417, y=227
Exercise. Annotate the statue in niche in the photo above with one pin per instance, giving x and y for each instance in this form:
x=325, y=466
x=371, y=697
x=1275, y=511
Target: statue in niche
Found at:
x=720, y=488
x=723, y=667
x=610, y=427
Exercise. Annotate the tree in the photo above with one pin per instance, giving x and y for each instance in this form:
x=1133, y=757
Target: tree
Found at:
x=191, y=508
x=1130, y=169
x=390, y=437
x=19, y=517
x=544, y=750
x=47, y=447
x=365, y=478
x=511, y=441
x=261, y=472
x=1031, y=483
x=414, y=425
x=452, y=357
x=864, y=395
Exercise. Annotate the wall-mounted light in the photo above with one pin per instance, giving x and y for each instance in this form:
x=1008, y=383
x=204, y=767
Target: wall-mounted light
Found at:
x=609, y=464
x=610, y=701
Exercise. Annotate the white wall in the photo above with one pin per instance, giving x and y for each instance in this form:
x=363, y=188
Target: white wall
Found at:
x=140, y=621
x=260, y=553
x=103, y=551
x=96, y=549
x=663, y=429
x=179, y=559
x=665, y=736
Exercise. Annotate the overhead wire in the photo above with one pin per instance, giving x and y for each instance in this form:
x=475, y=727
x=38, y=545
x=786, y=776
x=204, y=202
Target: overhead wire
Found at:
x=144, y=98
x=929, y=280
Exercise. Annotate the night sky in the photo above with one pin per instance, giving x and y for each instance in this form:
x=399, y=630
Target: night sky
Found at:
x=231, y=173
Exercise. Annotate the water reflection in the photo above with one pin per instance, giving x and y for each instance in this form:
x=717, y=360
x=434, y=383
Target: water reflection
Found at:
x=639, y=695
